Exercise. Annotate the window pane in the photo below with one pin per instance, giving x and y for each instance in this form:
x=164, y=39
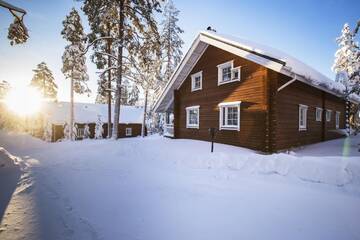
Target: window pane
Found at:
x=226, y=74
x=197, y=82
x=193, y=116
x=232, y=116
x=235, y=73
x=302, y=117
x=223, y=116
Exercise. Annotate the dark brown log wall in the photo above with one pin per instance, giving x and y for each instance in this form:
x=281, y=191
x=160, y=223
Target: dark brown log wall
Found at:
x=287, y=114
x=136, y=129
x=269, y=120
x=250, y=90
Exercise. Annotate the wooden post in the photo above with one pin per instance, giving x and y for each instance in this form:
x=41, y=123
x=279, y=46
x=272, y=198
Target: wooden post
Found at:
x=212, y=136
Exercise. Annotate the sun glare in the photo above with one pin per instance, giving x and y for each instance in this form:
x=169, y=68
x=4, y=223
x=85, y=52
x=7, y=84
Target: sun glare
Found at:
x=24, y=101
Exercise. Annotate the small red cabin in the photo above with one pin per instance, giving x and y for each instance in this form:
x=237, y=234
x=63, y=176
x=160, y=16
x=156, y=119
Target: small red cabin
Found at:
x=56, y=115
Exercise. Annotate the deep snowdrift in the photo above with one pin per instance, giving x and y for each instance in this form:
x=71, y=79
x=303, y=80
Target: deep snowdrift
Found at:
x=156, y=188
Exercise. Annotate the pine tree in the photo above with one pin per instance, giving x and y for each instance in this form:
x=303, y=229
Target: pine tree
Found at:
x=171, y=41
x=131, y=21
x=104, y=57
x=102, y=96
x=74, y=61
x=44, y=81
x=146, y=74
x=347, y=66
x=346, y=58
x=130, y=93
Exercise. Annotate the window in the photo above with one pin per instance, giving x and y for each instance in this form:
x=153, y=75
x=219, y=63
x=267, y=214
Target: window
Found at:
x=80, y=132
x=128, y=131
x=302, y=117
x=328, y=115
x=169, y=118
x=227, y=73
x=337, y=120
x=196, y=81
x=192, y=117
x=230, y=116
x=318, y=114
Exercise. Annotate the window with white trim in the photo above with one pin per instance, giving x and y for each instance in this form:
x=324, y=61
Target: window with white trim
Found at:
x=318, y=114
x=328, y=115
x=128, y=131
x=302, y=117
x=192, y=117
x=337, y=120
x=227, y=73
x=229, y=118
x=196, y=81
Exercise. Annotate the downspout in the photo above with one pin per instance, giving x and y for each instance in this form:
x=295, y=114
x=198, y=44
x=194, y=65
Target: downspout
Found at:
x=287, y=83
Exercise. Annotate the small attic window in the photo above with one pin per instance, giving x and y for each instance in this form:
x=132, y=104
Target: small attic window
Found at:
x=227, y=73
x=196, y=81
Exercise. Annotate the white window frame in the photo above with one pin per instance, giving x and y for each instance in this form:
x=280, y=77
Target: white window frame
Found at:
x=337, y=119
x=223, y=107
x=128, y=131
x=226, y=65
x=188, y=125
x=318, y=117
x=328, y=115
x=303, y=127
x=193, y=77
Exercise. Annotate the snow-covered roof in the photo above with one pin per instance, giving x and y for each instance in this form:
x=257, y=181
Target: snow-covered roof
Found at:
x=264, y=55
x=59, y=113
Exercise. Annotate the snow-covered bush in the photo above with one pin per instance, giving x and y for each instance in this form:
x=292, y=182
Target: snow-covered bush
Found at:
x=86, y=131
x=66, y=131
x=99, y=128
x=48, y=132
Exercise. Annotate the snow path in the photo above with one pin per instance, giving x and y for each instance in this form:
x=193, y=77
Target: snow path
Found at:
x=157, y=188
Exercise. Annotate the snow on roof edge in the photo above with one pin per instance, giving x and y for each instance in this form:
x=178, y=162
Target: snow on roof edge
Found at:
x=312, y=76
x=59, y=112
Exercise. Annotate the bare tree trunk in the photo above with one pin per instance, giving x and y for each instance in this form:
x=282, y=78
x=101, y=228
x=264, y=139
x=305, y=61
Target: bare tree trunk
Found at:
x=144, y=117
x=119, y=70
x=109, y=86
x=72, y=109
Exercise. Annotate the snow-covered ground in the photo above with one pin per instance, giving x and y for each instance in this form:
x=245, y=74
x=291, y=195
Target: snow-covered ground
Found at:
x=156, y=188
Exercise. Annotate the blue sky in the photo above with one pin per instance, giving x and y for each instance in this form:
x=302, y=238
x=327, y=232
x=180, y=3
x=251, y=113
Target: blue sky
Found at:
x=304, y=29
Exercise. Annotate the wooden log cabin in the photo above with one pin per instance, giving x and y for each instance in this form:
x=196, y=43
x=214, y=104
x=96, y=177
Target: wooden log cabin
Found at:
x=58, y=114
x=253, y=95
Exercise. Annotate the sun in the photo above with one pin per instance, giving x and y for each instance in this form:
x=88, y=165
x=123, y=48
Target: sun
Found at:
x=24, y=101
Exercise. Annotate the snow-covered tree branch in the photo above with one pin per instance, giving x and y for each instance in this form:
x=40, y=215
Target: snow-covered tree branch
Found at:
x=17, y=32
